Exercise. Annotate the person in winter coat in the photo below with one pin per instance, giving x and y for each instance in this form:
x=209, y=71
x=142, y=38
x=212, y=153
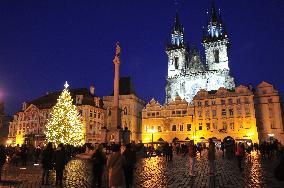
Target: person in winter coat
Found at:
x=115, y=164
x=99, y=162
x=3, y=156
x=192, y=150
x=47, y=163
x=240, y=152
x=60, y=160
x=130, y=157
x=211, y=157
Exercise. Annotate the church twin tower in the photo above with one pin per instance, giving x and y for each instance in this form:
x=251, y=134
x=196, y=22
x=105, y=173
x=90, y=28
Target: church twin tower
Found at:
x=187, y=73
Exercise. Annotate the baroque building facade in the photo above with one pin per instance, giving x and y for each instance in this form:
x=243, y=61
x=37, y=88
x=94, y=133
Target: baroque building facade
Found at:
x=187, y=72
x=28, y=125
x=216, y=114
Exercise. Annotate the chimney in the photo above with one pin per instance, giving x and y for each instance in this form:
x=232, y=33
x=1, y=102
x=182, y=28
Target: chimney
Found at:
x=92, y=89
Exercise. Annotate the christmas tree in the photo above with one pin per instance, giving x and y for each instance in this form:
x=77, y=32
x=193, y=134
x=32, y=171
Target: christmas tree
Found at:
x=65, y=124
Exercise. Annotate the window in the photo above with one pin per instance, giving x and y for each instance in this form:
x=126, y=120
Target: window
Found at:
x=216, y=55
x=232, y=126
x=125, y=111
x=230, y=101
x=91, y=113
x=174, y=128
x=247, y=111
x=238, y=101
x=184, y=112
x=157, y=113
x=199, y=103
x=178, y=112
x=176, y=62
x=90, y=127
x=223, y=102
x=213, y=102
x=215, y=125
x=223, y=112
x=146, y=128
x=208, y=126
x=241, y=125
x=239, y=111
x=272, y=125
x=246, y=100
x=225, y=125
x=200, y=126
x=231, y=111
x=99, y=115
x=206, y=103
x=180, y=127
x=214, y=114
x=269, y=100
x=199, y=113
x=173, y=112
x=159, y=129
x=207, y=114
x=188, y=127
x=270, y=112
x=153, y=113
x=148, y=114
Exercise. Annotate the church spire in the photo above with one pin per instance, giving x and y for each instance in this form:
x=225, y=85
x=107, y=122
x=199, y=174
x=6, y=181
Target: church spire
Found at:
x=177, y=35
x=215, y=29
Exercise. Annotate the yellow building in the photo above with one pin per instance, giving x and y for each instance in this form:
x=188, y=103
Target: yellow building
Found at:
x=269, y=112
x=216, y=114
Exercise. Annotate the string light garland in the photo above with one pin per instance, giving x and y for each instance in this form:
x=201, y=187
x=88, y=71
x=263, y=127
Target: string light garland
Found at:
x=65, y=123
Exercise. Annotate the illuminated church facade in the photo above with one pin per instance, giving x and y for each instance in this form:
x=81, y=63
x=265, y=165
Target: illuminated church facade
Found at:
x=187, y=72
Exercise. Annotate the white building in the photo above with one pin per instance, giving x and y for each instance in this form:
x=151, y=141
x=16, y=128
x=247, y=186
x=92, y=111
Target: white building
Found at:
x=187, y=73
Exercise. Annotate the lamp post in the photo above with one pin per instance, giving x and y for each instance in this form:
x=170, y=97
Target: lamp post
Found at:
x=152, y=131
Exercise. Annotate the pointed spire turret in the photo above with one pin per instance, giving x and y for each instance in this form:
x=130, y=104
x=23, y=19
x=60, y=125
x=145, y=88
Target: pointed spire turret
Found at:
x=177, y=35
x=215, y=28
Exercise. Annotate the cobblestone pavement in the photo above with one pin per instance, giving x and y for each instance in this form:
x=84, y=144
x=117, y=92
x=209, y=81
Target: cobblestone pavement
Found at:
x=156, y=172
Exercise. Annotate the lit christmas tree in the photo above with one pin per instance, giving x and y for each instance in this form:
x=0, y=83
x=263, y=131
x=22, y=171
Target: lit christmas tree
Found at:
x=65, y=124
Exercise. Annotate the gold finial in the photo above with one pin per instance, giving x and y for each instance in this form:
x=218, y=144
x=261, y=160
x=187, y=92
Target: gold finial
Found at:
x=117, y=50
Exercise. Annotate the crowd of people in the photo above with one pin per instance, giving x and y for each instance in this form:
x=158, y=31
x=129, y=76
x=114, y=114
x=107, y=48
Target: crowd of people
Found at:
x=118, y=161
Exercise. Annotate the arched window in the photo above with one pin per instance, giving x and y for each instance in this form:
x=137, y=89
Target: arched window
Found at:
x=174, y=128
x=216, y=55
x=176, y=62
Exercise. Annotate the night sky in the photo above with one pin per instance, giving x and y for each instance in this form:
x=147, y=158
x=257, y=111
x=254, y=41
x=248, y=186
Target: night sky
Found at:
x=44, y=43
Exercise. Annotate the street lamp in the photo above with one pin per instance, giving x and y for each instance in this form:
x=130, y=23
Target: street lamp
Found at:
x=152, y=131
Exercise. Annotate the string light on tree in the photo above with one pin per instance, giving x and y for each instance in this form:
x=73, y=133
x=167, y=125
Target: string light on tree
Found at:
x=65, y=124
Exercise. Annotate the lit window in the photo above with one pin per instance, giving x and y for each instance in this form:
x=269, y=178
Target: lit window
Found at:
x=231, y=111
x=181, y=128
x=206, y=103
x=208, y=126
x=188, y=127
x=199, y=103
x=232, y=126
x=223, y=112
x=200, y=126
x=214, y=114
x=230, y=101
x=200, y=113
x=238, y=101
x=159, y=129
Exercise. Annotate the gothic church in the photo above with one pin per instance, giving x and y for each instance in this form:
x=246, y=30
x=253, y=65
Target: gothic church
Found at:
x=187, y=73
